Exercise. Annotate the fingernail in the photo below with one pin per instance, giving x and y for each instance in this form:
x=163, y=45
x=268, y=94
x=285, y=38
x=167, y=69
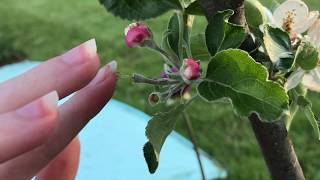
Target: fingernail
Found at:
x=113, y=66
x=41, y=107
x=81, y=53
x=104, y=72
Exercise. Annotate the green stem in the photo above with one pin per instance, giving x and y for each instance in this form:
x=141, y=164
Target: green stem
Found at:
x=137, y=78
x=167, y=58
x=293, y=110
x=187, y=32
x=181, y=33
x=194, y=142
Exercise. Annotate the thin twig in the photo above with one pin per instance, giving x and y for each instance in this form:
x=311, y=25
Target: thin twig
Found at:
x=194, y=142
x=137, y=78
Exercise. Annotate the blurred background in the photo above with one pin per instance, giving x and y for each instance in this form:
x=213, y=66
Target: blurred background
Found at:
x=41, y=29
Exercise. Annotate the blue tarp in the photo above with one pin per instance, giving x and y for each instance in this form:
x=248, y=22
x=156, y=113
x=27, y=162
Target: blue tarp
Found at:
x=111, y=145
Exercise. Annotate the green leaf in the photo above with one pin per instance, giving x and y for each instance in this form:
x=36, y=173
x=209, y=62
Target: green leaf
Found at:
x=221, y=35
x=254, y=12
x=173, y=36
x=199, y=48
x=194, y=9
x=270, y=4
x=157, y=130
x=303, y=102
x=139, y=9
x=307, y=56
x=295, y=95
x=306, y=107
x=313, y=121
x=234, y=75
x=166, y=47
x=186, y=3
x=278, y=46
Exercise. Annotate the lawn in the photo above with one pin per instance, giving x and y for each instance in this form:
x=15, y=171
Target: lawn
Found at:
x=44, y=29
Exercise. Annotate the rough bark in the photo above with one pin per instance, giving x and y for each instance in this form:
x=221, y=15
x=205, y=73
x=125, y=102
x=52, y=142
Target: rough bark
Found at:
x=273, y=138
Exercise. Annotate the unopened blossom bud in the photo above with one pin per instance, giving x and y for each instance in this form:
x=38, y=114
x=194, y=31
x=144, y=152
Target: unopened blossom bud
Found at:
x=154, y=98
x=136, y=34
x=164, y=74
x=174, y=70
x=190, y=70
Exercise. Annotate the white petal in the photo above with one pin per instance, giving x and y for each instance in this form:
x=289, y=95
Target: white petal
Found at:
x=314, y=33
x=312, y=80
x=307, y=23
x=295, y=10
x=294, y=79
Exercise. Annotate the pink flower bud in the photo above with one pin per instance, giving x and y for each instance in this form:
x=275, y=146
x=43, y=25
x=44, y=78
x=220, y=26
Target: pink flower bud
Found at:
x=136, y=34
x=190, y=70
x=174, y=70
x=163, y=75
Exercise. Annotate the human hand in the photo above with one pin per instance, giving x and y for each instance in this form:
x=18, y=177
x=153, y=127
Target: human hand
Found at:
x=37, y=138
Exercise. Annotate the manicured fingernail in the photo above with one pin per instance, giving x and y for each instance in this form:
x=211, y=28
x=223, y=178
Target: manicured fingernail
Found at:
x=105, y=72
x=81, y=53
x=40, y=108
x=113, y=66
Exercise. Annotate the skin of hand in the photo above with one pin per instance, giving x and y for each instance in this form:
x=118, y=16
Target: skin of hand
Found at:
x=38, y=138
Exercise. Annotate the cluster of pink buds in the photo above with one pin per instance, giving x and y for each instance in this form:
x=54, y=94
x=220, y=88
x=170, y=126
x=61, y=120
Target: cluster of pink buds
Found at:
x=175, y=82
x=190, y=70
x=136, y=34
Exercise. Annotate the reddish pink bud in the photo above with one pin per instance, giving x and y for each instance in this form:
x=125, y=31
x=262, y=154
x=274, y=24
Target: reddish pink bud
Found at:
x=136, y=34
x=174, y=70
x=190, y=69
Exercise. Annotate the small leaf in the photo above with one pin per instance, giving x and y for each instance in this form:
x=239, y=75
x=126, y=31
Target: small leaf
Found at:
x=199, y=48
x=166, y=47
x=151, y=157
x=306, y=107
x=221, y=35
x=139, y=9
x=278, y=45
x=233, y=74
x=157, y=130
x=186, y=3
x=307, y=56
x=294, y=79
x=270, y=4
x=173, y=36
x=254, y=13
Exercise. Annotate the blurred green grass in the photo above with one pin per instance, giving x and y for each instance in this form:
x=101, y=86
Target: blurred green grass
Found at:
x=44, y=29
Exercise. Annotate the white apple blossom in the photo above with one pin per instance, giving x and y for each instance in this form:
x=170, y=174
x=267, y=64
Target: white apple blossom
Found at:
x=311, y=79
x=294, y=17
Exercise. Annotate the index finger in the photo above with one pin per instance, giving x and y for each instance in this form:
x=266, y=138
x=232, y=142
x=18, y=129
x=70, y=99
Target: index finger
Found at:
x=65, y=74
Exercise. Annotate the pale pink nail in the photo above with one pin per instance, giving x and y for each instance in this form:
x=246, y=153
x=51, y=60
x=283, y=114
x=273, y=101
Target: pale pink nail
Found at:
x=104, y=72
x=41, y=107
x=75, y=55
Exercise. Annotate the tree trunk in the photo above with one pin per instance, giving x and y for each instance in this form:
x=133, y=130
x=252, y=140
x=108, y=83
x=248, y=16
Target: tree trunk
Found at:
x=277, y=149
x=273, y=139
